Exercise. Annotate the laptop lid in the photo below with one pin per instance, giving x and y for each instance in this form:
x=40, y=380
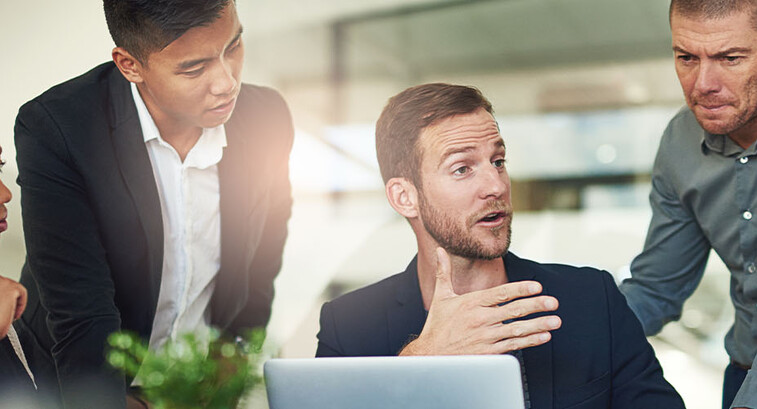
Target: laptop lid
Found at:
x=438, y=382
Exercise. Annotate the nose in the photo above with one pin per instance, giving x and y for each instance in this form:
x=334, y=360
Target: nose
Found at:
x=5, y=193
x=495, y=183
x=708, y=79
x=223, y=82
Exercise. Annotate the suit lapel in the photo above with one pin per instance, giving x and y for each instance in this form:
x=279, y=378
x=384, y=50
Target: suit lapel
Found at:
x=537, y=360
x=136, y=170
x=407, y=316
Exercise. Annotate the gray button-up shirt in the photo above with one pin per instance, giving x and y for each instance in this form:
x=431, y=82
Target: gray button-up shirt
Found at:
x=704, y=195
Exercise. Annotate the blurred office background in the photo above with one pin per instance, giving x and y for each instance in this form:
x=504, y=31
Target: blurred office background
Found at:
x=582, y=90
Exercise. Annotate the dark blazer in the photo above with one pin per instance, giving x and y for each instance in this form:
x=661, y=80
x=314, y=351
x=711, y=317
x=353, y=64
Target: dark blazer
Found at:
x=93, y=224
x=599, y=358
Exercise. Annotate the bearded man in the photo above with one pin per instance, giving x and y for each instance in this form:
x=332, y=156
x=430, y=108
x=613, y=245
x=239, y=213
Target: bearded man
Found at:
x=442, y=159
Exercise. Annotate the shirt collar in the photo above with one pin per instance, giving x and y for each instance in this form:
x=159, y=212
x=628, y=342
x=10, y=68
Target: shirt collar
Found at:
x=208, y=150
x=725, y=146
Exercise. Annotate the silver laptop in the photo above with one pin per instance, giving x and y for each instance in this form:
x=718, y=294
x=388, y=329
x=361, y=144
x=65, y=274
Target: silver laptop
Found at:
x=449, y=382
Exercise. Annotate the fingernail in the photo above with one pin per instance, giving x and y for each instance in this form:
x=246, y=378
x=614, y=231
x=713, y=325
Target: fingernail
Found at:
x=544, y=337
x=533, y=287
x=553, y=322
x=550, y=303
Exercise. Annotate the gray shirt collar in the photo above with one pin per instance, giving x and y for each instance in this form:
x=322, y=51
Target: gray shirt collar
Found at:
x=725, y=146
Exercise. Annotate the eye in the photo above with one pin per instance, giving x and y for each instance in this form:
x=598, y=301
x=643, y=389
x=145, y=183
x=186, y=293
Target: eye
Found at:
x=2, y=163
x=732, y=59
x=234, y=46
x=193, y=73
x=462, y=170
x=499, y=163
x=685, y=58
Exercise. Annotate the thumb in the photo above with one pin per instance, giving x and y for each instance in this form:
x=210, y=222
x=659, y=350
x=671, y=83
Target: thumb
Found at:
x=443, y=288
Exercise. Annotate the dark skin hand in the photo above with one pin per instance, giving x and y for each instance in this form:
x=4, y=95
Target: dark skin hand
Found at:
x=12, y=303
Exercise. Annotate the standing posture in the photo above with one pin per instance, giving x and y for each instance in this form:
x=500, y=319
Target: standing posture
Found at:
x=704, y=182
x=443, y=163
x=155, y=195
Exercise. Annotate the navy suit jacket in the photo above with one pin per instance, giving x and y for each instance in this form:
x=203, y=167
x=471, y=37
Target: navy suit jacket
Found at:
x=94, y=232
x=599, y=358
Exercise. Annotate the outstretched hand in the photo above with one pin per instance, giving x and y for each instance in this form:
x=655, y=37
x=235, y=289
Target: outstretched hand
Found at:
x=12, y=303
x=479, y=322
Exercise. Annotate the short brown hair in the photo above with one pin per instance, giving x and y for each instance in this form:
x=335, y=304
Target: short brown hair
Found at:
x=406, y=115
x=713, y=9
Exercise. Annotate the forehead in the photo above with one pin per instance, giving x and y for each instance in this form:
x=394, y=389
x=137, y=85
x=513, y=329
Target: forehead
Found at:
x=476, y=130
x=733, y=30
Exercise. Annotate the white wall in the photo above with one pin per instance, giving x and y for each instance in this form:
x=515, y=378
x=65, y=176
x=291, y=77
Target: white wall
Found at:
x=42, y=43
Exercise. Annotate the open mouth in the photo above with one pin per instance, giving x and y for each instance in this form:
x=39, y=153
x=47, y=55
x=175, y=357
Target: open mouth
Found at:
x=493, y=217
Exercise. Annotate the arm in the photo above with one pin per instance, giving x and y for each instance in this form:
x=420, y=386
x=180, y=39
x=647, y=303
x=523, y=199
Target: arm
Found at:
x=12, y=303
x=67, y=261
x=267, y=261
x=328, y=344
x=747, y=396
x=637, y=380
x=672, y=263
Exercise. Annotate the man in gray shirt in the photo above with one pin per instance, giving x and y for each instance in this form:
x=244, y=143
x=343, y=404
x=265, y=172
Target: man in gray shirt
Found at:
x=704, y=182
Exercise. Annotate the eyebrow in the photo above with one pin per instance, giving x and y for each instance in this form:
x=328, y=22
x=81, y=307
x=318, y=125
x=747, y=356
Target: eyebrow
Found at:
x=454, y=151
x=498, y=144
x=719, y=54
x=191, y=63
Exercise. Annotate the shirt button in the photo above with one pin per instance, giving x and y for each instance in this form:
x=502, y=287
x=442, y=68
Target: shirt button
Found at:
x=751, y=268
x=744, y=159
x=747, y=215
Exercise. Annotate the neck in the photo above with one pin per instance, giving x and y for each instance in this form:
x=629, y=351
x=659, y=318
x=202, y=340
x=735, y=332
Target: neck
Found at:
x=182, y=141
x=468, y=275
x=180, y=136
x=746, y=135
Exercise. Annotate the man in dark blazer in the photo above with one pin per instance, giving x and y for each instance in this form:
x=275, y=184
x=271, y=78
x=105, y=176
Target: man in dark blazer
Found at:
x=443, y=162
x=94, y=208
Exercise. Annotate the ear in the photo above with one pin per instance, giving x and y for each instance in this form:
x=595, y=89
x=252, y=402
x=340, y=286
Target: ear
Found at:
x=129, y=66
x=403, y=197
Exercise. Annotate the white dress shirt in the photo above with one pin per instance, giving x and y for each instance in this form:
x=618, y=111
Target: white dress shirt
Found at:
x=190, y=204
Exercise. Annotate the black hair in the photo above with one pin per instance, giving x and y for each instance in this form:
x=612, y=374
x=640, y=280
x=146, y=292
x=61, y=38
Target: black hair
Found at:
x=142, y=27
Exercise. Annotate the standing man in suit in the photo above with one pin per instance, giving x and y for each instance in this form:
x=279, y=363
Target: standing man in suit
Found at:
x=155, y=195
x=443, y=163
x=704, y=183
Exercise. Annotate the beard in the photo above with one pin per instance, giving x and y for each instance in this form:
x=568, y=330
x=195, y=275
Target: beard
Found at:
x=457, y=239
x=744, y=116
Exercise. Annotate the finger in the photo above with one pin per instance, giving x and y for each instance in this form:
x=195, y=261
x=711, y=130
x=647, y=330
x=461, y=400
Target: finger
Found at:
x=525, y=328
x=443, y=288
x=508, y=292
x=6, y=318
x=513, y=344
x=20, y=302
x=521, y=308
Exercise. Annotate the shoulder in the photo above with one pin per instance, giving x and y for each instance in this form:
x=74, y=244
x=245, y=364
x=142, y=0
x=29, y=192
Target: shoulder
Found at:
x=79, y=93
x=371, y=321
x=369, y=301
x=578, y=289
x=260, y=102
x=262, y=115
x=683, y=134
x=565, y=277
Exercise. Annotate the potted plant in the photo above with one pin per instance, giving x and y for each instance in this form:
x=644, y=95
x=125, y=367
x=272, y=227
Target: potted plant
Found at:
x=191, y=373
